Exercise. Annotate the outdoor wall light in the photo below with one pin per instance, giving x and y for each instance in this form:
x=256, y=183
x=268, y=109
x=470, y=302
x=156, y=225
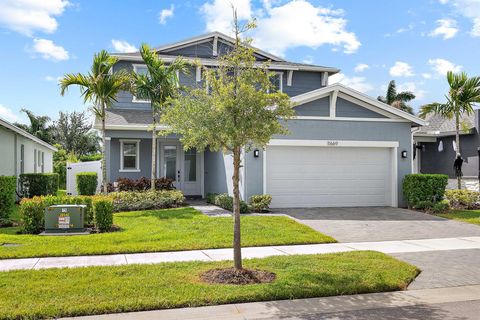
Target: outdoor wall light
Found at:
x=404, y=154
x=256, y=153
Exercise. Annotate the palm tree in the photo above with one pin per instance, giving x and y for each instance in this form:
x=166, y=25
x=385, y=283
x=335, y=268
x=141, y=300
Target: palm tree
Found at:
x=38, y=126
x=397, y=99
x=100, y=87
x=464, y=92
x=158, y=85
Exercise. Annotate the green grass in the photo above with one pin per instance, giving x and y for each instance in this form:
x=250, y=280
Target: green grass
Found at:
x=163, y=230
x=470, y=216
x=95, y=290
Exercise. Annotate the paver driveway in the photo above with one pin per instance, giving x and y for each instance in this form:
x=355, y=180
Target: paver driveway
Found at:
x=379, y=224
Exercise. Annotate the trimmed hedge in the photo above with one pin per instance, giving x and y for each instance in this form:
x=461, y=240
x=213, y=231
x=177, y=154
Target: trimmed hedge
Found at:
x=260, y=202
x=226, y=202
x=103, y=213
x=419, y=189
x=38, y=184
x=87, y=183
x=32, y=211
x=148, y=200
x=91, y=157
x=8, y=185
x=463, y=199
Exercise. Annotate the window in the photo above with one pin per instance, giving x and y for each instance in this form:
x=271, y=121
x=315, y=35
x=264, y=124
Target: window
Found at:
x=190, y=166
x=129, y=155
x=22, y=158
x=170, y=162
x=277, y=81
x=140, y=69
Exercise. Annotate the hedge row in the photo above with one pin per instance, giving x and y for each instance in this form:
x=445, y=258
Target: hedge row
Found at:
x=424, y=190
x=87, y=183
x=8, y=185
x=38, y=184
x=148, y=200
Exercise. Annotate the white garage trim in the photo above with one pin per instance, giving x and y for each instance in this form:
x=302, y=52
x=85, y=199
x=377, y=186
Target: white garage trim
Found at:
x=393, y=145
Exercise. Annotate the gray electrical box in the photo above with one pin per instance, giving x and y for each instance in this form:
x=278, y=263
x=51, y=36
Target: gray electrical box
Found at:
x=68, y=218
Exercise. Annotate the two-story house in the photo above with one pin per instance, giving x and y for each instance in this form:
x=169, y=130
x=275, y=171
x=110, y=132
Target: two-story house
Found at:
x=344, y=148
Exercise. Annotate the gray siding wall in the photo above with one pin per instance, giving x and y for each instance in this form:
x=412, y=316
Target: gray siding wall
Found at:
x=215, y=173
x=346, y=108
x=201, y=50
x=302, y=82
x=338, y=130
x=434, y=161
x=318, y=108
x=145, y=160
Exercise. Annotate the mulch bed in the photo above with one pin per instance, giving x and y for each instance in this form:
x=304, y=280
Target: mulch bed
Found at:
x=239, y=277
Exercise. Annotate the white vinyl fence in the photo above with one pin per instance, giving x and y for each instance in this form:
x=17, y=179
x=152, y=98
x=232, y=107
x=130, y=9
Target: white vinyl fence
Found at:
x=74, y=168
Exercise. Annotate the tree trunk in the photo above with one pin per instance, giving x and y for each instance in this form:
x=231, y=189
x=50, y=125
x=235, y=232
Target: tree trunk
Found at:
x=237, y=248
x=457, y=142
x=104, y=160
x=154, y=156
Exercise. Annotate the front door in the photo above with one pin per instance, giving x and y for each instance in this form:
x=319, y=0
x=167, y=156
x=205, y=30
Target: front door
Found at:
x=183, y=167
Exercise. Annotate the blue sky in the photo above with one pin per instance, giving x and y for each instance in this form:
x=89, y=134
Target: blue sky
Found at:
x=372, y=41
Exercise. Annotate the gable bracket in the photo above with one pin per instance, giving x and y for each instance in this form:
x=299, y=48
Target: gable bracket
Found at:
x=333, y=104
x=215, y=47
x=289, y=77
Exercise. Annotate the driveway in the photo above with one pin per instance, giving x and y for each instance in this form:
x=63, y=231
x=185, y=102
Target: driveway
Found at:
x=379, y=224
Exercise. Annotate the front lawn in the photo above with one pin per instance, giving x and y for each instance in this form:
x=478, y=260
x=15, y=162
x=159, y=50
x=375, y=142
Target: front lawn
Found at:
x=163, y=230
x=96, y=290
x=470, y=216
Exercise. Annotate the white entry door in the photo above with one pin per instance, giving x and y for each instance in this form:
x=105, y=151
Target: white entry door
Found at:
x=311, y=176
x=185, y=168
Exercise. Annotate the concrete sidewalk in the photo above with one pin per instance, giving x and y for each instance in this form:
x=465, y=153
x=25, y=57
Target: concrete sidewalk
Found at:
x=389, y=247
x=421, y=304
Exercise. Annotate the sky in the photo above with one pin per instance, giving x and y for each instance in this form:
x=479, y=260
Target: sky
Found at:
x=413, y=42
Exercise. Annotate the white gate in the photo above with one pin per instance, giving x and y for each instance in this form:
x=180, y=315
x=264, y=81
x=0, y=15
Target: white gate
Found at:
x=74, y=168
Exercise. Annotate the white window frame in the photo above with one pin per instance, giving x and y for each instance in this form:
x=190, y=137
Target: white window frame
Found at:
x=22, y=158
x=280, y=74
x=42, y=159
x=137, y=159
x=137, y=66
x=35, y=160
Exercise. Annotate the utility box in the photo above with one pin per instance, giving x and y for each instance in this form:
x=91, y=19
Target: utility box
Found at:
x=65, y=218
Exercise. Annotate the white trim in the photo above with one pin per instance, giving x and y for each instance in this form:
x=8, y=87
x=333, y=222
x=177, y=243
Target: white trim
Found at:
x=375, y=104
x=289, y=77
x=333, y=104
x=324, y=79
x=108, y=138
x=9, y=126
x=215, y=46
x=198, y=74
x=394, y=155
x=349, y=119
x=265, y=171
x=131, y=127
x=137, y=155
x=333, y=143
x=136, y=66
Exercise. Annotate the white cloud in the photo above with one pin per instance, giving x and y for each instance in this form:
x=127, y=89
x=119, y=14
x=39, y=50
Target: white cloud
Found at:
x=8, y=114
x=357, y=83
x=361, y=67
x=123, y=46
x=426, y=75
x=447, y=28
x=308, y=60
x=49, y=50
x=166, y=14
x=401, y=69
x=50, y=78
x=412, y=87
x=28, y=16
x=470, y=9
x=442, y=66
x=285, y=25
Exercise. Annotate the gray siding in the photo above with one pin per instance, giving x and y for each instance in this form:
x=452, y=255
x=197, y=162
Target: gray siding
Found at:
x=348, y=109
x=200, y=50
x=318, y=108
x=215, y=173
x=339, y=130
x=434, y=161
x=145, y=160
x=302, y=82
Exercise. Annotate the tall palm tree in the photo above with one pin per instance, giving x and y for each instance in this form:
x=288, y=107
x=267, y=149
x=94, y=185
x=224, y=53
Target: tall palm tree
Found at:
x=397, y=99
x=464, y=92
x=38, y=126
x=159, y=84
x=100, y=87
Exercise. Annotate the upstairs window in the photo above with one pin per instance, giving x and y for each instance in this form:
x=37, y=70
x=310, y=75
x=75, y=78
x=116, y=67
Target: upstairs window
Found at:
x=277, y=81
x=129, y=155
x=140, y=69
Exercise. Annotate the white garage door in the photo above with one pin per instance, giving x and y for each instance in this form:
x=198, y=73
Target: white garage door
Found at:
x=328, y=176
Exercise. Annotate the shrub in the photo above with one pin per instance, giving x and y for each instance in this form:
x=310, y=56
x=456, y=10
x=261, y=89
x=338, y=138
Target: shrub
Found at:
x=463, y=199
x=32, y=210
x=440, y=207
x=420, y=188
x=210, y=198
x=143, y=184
x=8, y=185
x=87, y=183
x=103, y=213
x=38, y=184
x=131, y=201
x=91, y=157
x=260, y=202
x=226, y=202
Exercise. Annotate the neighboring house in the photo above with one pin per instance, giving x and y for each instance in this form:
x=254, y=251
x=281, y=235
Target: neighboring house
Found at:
x=23, y=152
x=345, y=148
x=436, y=146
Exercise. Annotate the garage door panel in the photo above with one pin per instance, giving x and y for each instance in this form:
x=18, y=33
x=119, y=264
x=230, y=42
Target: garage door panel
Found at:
x=328, y=176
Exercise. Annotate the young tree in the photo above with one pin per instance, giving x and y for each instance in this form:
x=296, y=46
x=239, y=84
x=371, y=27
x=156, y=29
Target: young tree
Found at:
x=100, y=87
x=397, y=99
x=38, y=127
x=159, y=84
x=464, y=92
x=238, y=108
